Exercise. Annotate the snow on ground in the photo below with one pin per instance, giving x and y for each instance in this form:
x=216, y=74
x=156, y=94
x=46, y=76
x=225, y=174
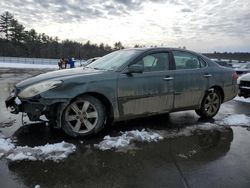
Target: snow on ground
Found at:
x=31, y=66
x=242, y=99
x=27, y=66
x=123, y=142
x=188, y=155
x=5, y=146
x=127, y=138
x=236, y=120
x=55, y=152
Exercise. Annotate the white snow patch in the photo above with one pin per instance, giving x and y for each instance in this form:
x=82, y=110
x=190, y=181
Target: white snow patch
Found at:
x=182, y=156
x=192, y=152
x=128, y=138
x=37, y=186
x=28, y=66
x=6, y=145
x=20, y=156
x=54, y=152
x=236, y=120
x=188, y=155
x=242, y=99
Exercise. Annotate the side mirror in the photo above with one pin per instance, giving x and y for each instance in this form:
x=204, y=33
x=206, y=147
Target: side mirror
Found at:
x=135, y=68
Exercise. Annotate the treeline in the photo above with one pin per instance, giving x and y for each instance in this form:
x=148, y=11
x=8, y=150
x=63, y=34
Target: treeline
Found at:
x=231, y=56
x=16, y=41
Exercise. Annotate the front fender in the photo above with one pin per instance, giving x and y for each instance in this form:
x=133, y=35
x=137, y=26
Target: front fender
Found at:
x=69, y=91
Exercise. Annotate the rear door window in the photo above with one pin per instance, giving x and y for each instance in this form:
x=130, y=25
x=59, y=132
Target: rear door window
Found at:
x=186, y=60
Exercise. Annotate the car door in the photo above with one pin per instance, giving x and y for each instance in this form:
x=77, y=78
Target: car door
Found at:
x=148, y=92
x=191, y=79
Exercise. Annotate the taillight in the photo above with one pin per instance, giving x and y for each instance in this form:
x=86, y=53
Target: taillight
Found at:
x=235, y=76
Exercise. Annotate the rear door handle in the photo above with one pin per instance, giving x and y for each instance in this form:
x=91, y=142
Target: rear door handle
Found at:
x=207, y=75
x=168, y=78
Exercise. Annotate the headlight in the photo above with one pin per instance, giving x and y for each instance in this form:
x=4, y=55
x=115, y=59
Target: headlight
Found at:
x=36, y=89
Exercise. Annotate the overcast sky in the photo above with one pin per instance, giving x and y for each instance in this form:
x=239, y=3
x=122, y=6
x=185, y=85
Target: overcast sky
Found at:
x=204, y=25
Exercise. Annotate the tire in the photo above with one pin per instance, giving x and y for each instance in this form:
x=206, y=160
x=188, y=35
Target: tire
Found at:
x=85, y=115
x=210, y=104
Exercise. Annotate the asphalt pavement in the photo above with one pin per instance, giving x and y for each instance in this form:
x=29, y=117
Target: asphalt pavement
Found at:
x=206, y=158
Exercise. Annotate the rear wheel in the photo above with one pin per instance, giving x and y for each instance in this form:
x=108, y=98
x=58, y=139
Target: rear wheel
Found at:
x=210, y=104
x=83, y=116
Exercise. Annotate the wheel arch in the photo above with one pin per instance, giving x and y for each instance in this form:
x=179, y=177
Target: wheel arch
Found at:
x=220, y=90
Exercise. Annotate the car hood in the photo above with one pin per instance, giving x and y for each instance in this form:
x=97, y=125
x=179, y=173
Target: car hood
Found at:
x=240, y=69
x=245, y=77
x=58, y=75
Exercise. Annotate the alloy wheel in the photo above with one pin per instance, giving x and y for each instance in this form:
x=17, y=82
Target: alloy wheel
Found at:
x=81, y=116
x=212, y=103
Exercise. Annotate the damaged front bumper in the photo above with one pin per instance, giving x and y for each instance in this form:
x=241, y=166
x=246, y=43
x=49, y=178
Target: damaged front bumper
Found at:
x=13, y=103
x=33, y=108
x=36, y=107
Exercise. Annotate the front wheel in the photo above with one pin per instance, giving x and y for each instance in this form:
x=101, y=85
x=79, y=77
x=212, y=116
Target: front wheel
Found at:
x=83, y=116
x=210, y=105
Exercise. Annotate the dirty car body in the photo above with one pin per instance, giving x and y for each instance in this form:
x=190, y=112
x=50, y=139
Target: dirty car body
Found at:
x=123, y=85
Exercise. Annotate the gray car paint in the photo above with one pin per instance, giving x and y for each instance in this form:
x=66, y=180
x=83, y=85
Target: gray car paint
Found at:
x=139, y=94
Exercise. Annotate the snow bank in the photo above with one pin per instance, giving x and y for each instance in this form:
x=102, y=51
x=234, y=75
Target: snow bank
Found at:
x=242, y=99
x=236, y=120
x=127, y=138
x=55, y=152
x=27, y=66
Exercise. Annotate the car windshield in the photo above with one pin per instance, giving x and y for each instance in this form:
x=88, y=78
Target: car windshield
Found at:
x=114, y=60
x=246, y=66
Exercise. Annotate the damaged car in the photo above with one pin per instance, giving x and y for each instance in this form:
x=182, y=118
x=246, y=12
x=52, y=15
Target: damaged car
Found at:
x=123, y=85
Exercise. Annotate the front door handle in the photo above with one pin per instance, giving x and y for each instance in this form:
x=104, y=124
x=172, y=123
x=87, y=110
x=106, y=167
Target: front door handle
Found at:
x=167, y=78
x=207, y=75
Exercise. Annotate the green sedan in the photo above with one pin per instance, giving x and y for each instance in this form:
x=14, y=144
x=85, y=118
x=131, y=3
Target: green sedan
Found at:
x=123, y=85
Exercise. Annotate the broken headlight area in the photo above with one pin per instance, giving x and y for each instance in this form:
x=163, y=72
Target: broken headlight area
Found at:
x=13, y=103
x=36, y=89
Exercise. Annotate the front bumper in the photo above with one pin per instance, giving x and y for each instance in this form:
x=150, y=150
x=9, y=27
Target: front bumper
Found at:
x=244, y=88
x=16, y=105
x=35, y=107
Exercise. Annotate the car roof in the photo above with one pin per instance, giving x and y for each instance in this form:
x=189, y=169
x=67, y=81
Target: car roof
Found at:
x=159, y=48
